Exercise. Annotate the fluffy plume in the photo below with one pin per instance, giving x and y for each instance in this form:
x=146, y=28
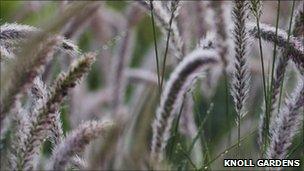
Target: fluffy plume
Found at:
x=293, y=46
x=286, y=124
x=45, y=116
x=240, y=81
x=256, y=8
x=20, y=123
x=14, y=32
x=29, y=66
x=176, y=86
x=76, y=141
x=11, y=34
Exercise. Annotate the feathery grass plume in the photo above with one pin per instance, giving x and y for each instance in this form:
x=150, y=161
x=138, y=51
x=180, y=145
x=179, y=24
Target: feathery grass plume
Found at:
x=163, y=18
x=176, y=86
x=12, y=33
x=287, y=123
x=240, y=81
x=56, y=128
x=78, y=163
x=256, y=8
x=298, y=27
x=38, y=94
x=5, y=52
x=45, y=115
x=50, y=28
x=294, y=46
x=76, y=141
x=22, y=71
x=20, y=128
x=30, y=61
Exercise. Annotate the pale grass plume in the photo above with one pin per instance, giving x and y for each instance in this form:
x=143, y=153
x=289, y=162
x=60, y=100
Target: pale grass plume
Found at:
x=20, y=125
x=45, y=116
x=293, y=45
x=241, y=78
x=172, y=95
x=11, y=34
x=76, y=142
x=29, y=66
x=286, y=124
x=14, y=32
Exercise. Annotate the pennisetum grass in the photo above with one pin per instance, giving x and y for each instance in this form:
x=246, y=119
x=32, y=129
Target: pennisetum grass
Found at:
x=45, y=115
x=294, y=45
x=76, y=141
x=20, y=122
x=13, y=83
x=173, y=93
x=287, y=123
x=11, y=34
x=155, y=47
x=270, y=88
x=240, y=82
x=33, y=118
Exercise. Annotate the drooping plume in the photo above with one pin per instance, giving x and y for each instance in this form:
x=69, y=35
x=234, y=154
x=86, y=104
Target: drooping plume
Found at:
x=172, y=95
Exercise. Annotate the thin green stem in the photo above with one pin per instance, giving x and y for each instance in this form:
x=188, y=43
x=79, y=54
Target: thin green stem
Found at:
x=167, y=47
x=227, y=150
x=289, y=32
x=263, y=74
x=188, y=158
x=227, y=104
x=155, y=46
x=206, y=151
x=294, y=150
x=200, y=129
x=176, y=129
